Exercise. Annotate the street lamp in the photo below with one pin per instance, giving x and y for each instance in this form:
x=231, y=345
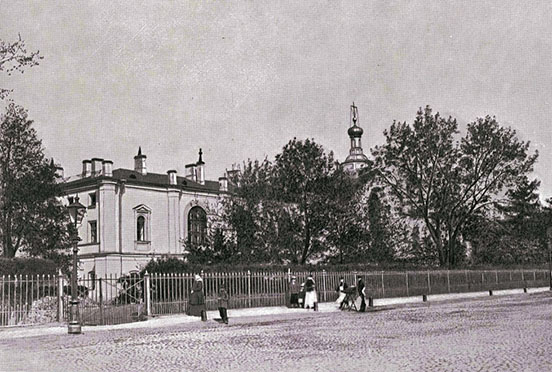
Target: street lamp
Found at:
x=76, y=212
x=549, y=243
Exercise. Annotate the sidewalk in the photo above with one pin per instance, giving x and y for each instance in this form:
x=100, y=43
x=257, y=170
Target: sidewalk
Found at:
x=167, y=320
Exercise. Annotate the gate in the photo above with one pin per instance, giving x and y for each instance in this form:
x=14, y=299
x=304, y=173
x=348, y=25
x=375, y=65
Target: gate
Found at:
x=112, y=300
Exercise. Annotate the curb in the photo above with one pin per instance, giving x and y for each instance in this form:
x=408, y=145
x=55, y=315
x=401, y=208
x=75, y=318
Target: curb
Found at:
x=326, y=307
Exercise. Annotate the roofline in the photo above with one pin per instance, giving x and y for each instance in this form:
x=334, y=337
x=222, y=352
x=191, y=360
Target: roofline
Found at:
x=93, y=181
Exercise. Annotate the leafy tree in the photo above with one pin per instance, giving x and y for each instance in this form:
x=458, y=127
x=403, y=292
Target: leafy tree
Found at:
x=517, y=234
x=281, y=211
x=301, y=175
x=346, y=228
x=14, y=57
x=31, y=217
x=443, y=182
x=380, y=227
x=252, y=213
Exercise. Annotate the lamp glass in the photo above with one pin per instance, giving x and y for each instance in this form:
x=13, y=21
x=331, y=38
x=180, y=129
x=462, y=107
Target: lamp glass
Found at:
x=76, y=211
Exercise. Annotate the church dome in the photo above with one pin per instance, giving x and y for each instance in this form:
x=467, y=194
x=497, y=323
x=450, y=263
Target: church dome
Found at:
x=355, y=131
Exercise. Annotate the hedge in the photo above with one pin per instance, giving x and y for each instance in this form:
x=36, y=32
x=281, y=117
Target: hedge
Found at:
x=175, y=265
x=27, y=266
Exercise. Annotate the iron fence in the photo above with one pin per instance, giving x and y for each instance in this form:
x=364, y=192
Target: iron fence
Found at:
x=119, y=299
x=170, y=292
x=29, y=299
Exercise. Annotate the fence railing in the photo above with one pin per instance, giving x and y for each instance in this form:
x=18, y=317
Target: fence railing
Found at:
x=29, y=299
x=114, y=300
x=169, y=292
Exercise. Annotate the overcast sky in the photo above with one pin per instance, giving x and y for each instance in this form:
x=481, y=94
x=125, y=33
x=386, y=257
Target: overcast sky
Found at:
x=240, y=79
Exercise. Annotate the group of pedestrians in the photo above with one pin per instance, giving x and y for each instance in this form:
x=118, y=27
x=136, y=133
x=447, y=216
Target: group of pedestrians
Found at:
x=196, y=301
x=303, y=295
x=360, y=292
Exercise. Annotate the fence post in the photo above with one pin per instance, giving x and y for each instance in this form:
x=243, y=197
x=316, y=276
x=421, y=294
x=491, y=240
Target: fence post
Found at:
x=249, y=288
x=448, y=280
x=382, y=286
x=289, y=275
x=406, y=280
x=148, y=293
x=60, y=296
x=101, y=301
x=428, y=283
x=523, y=278
x=324, y=283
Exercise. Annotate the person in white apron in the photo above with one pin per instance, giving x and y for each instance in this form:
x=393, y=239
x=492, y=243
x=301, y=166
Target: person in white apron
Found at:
x=341, y=290
x=310, y=293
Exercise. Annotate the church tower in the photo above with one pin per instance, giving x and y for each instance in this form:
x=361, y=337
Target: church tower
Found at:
x=356, y=159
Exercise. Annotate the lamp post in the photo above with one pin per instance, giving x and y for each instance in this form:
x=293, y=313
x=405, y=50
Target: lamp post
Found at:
x=76, y=212
x=549, y=243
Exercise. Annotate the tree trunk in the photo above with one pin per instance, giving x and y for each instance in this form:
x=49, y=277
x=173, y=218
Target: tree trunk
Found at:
x=306, y=246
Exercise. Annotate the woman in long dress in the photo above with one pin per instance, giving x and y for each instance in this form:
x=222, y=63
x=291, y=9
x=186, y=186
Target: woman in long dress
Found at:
x=310, y=293
x=341, y=290
x=196, y=302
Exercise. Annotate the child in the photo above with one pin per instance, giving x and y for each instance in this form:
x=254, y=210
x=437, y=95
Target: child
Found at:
x=223, y=298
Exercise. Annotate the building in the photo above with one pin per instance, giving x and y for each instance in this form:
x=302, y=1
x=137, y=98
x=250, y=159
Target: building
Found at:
x=356, y=159
x=133, y=215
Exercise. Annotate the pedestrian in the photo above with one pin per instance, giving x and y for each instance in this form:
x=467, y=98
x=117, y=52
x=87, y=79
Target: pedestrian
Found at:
x=362, y=294
x=196, y=304
x=223, y=298
x=301, y=298
x=294, y=289
x=342, y=286
x=310, y=293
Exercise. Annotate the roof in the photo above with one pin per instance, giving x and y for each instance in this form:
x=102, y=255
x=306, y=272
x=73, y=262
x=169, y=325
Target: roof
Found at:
x=150, y=179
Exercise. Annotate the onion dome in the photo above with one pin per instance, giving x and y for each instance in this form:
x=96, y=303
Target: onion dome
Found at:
x=355, y=131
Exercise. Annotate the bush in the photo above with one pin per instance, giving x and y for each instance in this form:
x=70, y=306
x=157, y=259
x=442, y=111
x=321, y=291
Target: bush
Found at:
x=27, y=266
x=173, y=265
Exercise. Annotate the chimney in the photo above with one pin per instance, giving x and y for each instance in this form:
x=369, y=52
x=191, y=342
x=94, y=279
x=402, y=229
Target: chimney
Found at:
x=96, y=166
x=234, y=174
x=200, y=166
x=172, y=177
x=107, y=168
x=140, y=163
x=191, y=172
x=59, y=172
x=223, y=184
x=86, y=168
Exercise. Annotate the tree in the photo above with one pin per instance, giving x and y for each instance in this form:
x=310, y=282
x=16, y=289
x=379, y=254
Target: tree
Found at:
x=516, y=233
x=252, y=213
x=380, y=227
x=31, y=217
x=443, y=182
x=301, y=177
x=280, y=212
x=346, y=228
x=14, y=57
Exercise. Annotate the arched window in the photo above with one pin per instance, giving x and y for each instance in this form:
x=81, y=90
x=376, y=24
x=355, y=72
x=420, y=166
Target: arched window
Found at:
x=141, y=229
x=197, y=226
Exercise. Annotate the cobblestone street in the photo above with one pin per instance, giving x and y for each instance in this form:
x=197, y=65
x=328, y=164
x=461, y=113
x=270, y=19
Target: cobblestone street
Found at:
x=499, y=333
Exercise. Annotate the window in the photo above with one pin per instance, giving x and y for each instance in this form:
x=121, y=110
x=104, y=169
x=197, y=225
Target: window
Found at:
x=92, y=198
x=93, y=231
x=142, y=218
x=141, y=229
x=197, y=226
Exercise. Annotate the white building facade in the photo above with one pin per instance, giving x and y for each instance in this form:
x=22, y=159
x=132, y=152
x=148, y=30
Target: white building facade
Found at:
x=133, y=216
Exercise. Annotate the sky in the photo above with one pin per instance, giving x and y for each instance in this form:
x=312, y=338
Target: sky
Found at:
x=241, y=78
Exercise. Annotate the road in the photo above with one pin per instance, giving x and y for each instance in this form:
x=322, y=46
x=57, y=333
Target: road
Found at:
x=499, y=333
